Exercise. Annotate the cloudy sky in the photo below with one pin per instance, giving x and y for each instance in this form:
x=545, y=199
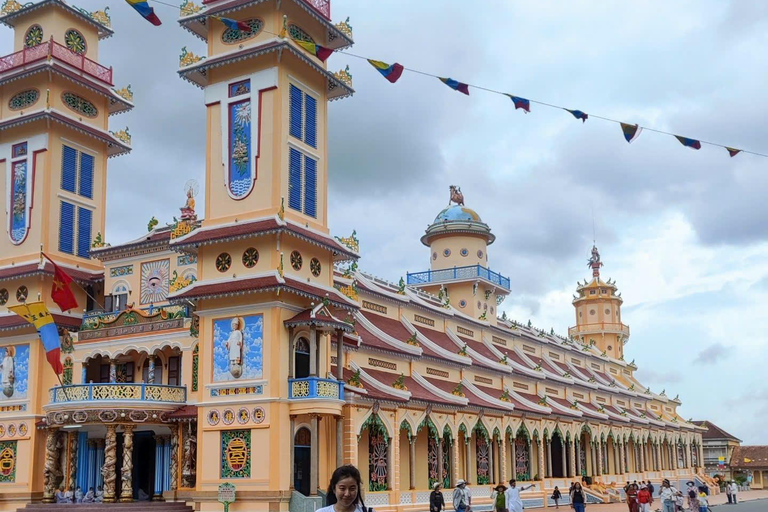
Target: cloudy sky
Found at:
x=682, y=232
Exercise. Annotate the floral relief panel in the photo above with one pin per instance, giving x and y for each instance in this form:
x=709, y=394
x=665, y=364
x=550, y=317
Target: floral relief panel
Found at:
x=237, y=348
x=20, y=201
x=241, y=174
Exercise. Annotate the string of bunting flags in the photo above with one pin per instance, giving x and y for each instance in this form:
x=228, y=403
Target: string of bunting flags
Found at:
x=393, y=73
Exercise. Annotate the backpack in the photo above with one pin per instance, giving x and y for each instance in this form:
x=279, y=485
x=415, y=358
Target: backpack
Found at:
x=692, y=494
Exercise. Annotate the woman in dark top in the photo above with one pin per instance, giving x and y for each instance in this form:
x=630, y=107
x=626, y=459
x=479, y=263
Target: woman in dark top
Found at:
x=578, y=498
x=436, y=501
x=556, y=497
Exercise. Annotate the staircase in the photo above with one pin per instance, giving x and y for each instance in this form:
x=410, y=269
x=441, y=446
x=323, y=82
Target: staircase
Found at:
x=138, y=506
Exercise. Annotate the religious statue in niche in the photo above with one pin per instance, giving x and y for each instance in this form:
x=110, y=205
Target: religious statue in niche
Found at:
x=8, y=372
x=237, y=348
x=14, y=371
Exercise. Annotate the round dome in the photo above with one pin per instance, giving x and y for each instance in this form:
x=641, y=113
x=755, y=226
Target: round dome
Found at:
x=457, y=213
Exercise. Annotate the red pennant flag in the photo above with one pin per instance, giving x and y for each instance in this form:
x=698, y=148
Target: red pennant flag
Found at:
x=732, y=151
x=61, y=292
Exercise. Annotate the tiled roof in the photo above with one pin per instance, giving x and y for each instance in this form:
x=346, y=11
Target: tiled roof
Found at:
x=714, y=432
x=750, y=457
x=321, y=318
x=28, y=269
x=187, y=412
x=11, y=322
x=157, y=237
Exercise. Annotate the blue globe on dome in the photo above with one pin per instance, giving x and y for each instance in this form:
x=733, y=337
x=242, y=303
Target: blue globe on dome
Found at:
x=457, y=213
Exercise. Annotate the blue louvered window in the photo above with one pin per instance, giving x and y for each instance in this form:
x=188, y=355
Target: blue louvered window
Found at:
x=310, y=186
x=84, y=217
x=296, y=121
x=67, y=228
x=310, y=120
x=86, y=175
x=294, y=179
x=68, y=168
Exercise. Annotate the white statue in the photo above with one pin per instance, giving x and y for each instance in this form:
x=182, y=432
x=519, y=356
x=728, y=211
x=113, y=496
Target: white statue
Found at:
x=234, y=345
x=8, y=372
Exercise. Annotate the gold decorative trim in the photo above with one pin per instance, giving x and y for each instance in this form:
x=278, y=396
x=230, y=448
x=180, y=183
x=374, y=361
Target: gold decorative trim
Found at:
x=125, y=93
x=188, y=58
x=188, y=8
x=123, y=136
x=344, y=76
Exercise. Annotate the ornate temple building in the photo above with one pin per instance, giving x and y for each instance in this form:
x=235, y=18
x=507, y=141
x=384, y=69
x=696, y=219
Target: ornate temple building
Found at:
x=248, y=347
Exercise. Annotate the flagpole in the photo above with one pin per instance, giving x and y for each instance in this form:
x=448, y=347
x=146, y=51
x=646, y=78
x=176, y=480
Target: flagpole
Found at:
x=73, y=280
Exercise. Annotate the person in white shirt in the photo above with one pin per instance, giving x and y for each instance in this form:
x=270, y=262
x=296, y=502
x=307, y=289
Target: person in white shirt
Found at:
x=734, y=490
x=668, y=496
x=514, y=502
x=344, y=491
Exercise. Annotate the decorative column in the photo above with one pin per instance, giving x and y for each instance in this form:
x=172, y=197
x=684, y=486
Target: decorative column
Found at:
x=467, y=458
x=503, y=459
x=173, y=456
x=157, y=495
x=540, y=447
x=112, y=371
x=548, y=448
x=109, y=469
x=577, y=457
x=642, y=458
x=490, y=460
x=339, y=441
x=615, y=459
x=562, y=451
x=314, y=455
x=71, y=460
x=390, y=464
x=100, y=443
x=514, y=457
x=189, y=466
x=126, y=476
x=339, y=354
x=600, y=458
x=314, y=353
x=84, y=373
x=412, y=462
x=701, y=454
x=151, y=369
x=440, y=465
x=291, y=454
x=454, y=461
x=50, y=471
x=592, y=459
x=291, y=363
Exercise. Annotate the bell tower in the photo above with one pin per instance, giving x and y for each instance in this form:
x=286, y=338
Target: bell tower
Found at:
x=598, y=312
x=55, y=103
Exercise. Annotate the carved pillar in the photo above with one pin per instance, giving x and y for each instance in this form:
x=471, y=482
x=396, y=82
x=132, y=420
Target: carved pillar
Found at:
x=339, y=441
x=189, y=465
x=291, y=361
x=574, y=457
x=126, y=476
x=564, y=448
x=600, y=458
x=514, y=457
x=72, y=460
x=174, y=458
x=109, y=469
x=50, y=471
x=151, y=369
x=548, y=448
x=468, y=457
x=412, y=462
x=623, y=458
x=157, y=494
x=440, y=465
x=490, y=460
x=291, y=454
x=314, y=455
x=454, y=461
x=100, y=444
x=391, y=453
x=314, y=357
x=539, y=445
x=503, y=459
x=577, y=456
x=339, y=354
x=701, y=454
x=112, y=371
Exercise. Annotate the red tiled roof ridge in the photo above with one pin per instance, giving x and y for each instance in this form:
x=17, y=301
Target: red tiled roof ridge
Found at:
x=711, y=427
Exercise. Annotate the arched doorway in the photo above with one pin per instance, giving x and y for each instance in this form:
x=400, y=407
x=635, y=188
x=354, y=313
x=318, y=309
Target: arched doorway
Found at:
x=302, y=455
x=556, y=447
x=143, y=464
x=301, y=358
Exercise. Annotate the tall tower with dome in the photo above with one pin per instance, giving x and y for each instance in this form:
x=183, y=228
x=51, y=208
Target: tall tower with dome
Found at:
x=458, y=240
x=598, y=313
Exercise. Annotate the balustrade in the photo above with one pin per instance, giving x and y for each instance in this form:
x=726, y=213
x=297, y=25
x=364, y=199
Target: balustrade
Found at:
x=315, y=387
x=57, y=51
x=139, y=391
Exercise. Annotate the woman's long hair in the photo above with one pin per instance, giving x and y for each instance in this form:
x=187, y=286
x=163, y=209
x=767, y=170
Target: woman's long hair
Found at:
x=341, y=473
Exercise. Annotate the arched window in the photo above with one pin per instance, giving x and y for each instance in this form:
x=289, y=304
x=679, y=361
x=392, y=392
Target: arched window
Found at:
x=118, y=300
x=301, y=358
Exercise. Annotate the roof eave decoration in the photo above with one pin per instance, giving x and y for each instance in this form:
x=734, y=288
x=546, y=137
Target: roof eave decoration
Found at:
x=386, y=338
x=475, y=355
x=515, y=367
x=380, y=386
x=194, y=18
x=448, y=397
x=194, y=69
x=121, y=100
x=455, y=358
x=12, y=10
x=568, y=411
x=528, y=403
x=501, y=404
x=319, y=316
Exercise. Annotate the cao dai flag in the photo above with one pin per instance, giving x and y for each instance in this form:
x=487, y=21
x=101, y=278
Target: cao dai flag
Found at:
x=578, y=114
x=456, y=86
x=691, y=143
x=391, y=72
x=733, y=151
x=631, y=131
x=234, y=24
x=61, y=293
x=147, y=12
x=321, y=52
x=38, y=315
x=520, y=103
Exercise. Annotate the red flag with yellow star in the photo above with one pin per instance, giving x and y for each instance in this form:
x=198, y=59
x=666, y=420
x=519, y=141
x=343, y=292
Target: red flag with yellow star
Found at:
x=61, y=292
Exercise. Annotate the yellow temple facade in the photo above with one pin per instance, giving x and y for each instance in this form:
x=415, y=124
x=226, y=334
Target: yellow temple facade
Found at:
x=248, y=346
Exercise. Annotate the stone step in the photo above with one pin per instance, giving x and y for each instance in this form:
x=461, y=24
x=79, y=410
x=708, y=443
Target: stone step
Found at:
x=138, y=506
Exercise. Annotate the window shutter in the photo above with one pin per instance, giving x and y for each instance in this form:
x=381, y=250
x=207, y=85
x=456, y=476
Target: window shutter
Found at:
x=86, y=175
x=295, y=122
x=67, y=228
x=84, y=216
x=68, y=168
x=310, y=120
x=310, y=187
x=294, y=179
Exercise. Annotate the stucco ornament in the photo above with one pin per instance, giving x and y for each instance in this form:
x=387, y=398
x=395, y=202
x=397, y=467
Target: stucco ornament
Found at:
x=126, y=93
x=456, y=196
x=188, y=8
x=188, y=58
x=345, y=28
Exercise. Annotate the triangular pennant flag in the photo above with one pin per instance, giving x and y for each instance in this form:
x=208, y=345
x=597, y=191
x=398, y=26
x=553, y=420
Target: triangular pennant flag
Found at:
x=578, y=114
x=147, y=12
x=456, y=86
x=243, y=26
x=391, y=72
x=732, y=151
x=691, y=143
x=321, y=52
x=520, y=103
x=61, y=293
x=38, y=315
x=631, y=131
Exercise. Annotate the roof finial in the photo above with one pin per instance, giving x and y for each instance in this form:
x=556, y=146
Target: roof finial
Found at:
x=595, y=263
x=456, y=196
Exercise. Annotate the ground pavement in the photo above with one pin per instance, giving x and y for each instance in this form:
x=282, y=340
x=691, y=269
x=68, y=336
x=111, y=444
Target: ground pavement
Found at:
x=747, y=503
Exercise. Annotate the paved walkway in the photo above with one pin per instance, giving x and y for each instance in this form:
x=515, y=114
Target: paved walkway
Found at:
x=720, y=499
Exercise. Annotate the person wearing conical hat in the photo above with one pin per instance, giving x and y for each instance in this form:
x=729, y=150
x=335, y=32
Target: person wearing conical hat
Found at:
x=499, y=498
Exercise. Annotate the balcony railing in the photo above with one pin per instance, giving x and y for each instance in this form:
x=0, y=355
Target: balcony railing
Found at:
x=599, y=327
x=103, y=324
x=52, y=49
x=120, y=392
x=315, y=387
x=449, y=274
